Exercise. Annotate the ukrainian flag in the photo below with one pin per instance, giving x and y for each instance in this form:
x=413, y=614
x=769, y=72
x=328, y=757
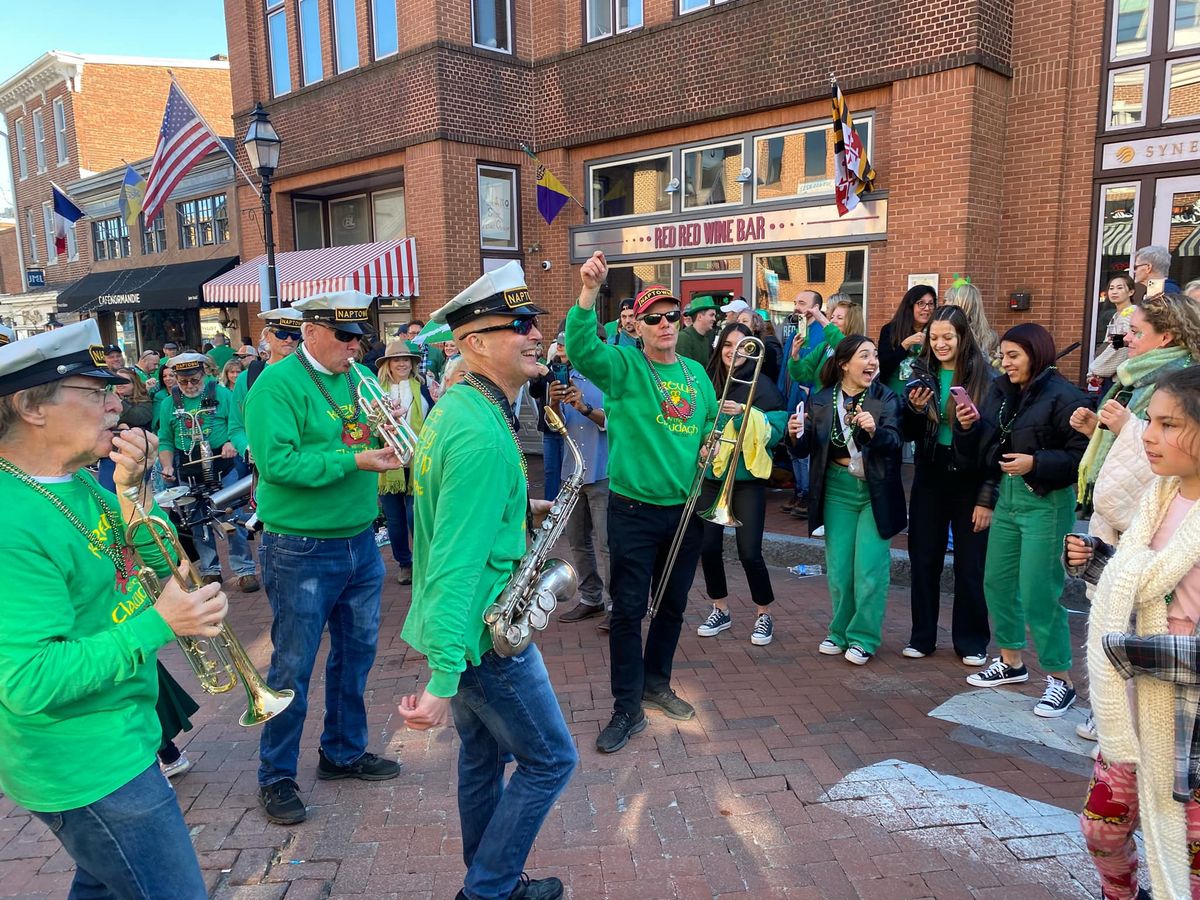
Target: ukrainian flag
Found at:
x=133, y=190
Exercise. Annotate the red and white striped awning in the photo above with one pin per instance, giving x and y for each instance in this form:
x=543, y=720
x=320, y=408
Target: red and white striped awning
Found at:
x=383, y=269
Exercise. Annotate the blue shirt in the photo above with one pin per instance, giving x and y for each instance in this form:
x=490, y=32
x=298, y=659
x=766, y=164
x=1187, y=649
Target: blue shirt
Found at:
x=591, y=439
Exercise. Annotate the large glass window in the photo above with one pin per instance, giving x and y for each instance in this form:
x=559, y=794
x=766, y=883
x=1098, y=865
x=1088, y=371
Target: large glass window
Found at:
x=349, y=221
x=110, y=239
x=1118, y=213
x=687, y=6
x=626, y=280
x=203, y=221
x=310, y=41
x=1183, y=90
x=710, y=175
x=39, y=140
x=154, y=236
x=345, y=35
x=1127, y=97
x=498, y=208
x=277, y=35
x=631, y=188
x=601, y=14
x=22, y=165
x=60, y=133
x=490, y=23
x=309, y=217
x=72, y=243
x=723, y=265
x=31, y=235
x=778, y=278
x=1185, y=24
x=1131, y=31
x=799, y=163
x=48, y=225
x=388, y=207
x=383, y=27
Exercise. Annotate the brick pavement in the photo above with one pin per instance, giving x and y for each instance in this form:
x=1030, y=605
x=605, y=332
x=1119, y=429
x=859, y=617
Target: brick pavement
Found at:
x=801, y=777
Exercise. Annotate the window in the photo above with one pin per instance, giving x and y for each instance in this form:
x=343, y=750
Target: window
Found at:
x=48, y=225
x=72, y=243
x=22, y=165
x=1131, y=30
x=710, y=176
x=203, y=221
x=310, y=41
x=1126, y=97
x=723, y=265
x=1183, y=90
x=309, y=216
x=383, y=27
x=687, y=6
x=602, y=13
x=1185, y=24
x=345, y=35
x=110, y=239
x=277, y=38
x=39, y=140
x=490, y=23
x=60, y=132
x=636, y=187
x=799, y=163
x=626, y=280
x=154, y=237
x=31, y=235
x=389, y=221
x=349, y=221
x=779, y=278
x=497, y=208
x=1118, y=213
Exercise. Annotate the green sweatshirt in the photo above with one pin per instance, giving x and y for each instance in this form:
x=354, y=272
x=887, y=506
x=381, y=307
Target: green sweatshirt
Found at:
x=308, y=482
x=78, y=682
x=652, y=453
x=695, y=345
x=470, y=498
x=807, y=369
x=218, y=426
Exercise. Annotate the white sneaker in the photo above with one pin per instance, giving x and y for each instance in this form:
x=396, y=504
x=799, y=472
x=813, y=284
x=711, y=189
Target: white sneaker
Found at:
x=829, y=648
x=1087, y=728
x=820, y=532
x=912, y=652
x=857, y=655
x=764, y=630
x=177, y=768
x=975, y=660
x=718, y=620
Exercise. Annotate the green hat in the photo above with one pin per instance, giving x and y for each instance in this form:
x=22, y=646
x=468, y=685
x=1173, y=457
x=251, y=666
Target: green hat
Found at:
x=700, y=303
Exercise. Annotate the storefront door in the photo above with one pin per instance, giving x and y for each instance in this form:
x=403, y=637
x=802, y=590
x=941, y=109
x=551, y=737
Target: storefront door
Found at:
x=719, y=288
x=1177, y=224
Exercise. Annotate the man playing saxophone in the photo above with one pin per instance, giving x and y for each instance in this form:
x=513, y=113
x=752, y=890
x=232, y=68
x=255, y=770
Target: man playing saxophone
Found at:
x=471, y=497
x=78, y=681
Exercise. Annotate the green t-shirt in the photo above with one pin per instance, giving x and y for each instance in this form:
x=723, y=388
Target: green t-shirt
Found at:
x=945, y=434
x=807, y=369
x=654, y=443
x=220, y=356
x=470, y=498
x=308, y=482
x=78, y=682
x=218, y=425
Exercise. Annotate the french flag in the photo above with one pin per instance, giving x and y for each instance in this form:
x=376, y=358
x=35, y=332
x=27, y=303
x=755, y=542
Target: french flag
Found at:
x=65, y=211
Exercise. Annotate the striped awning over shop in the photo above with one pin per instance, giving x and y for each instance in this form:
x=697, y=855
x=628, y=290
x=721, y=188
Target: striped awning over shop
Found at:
x=383, y=269
x=1190, y=245
x=1118, y=239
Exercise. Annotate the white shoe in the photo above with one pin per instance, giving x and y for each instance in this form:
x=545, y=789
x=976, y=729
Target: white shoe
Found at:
x=820, y=532
x=829, y=648
x=1087, y=728
x=857, y=655
x=177, y=768
x=975, y=659
x=912, y=653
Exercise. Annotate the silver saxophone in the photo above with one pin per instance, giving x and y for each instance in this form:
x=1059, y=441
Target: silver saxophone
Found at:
x=539, y=583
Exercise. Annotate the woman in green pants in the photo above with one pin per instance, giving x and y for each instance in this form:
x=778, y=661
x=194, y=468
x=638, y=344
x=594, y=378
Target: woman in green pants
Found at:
x=1023, y=435
x=851, y=431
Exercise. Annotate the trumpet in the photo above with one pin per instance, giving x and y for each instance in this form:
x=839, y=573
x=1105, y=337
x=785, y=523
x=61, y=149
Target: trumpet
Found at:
x=396, y=433
x=222, y=662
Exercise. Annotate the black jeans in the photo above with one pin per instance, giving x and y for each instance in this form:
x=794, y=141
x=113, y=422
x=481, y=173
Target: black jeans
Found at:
x=943, y=499
x=749, y=504
x=639, y=537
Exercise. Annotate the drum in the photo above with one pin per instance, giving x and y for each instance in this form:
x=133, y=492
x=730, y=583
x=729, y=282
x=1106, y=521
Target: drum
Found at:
x=169, y=497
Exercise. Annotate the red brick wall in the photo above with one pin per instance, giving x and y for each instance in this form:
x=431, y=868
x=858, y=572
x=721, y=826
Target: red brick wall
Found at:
x=10, y=261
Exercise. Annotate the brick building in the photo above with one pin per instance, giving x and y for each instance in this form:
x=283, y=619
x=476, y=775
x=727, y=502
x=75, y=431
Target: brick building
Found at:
x=696, y=132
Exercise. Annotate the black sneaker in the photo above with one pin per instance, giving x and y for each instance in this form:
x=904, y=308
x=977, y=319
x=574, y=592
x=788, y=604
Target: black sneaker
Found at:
x=999, y=672
x=620, y=728
x=530, y=889
x=1056, y=699
x=282, y=803
x=367, y=767
x=670, y=703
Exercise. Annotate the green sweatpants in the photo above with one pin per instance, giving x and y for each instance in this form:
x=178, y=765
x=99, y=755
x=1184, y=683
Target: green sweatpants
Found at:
x=1023, y=576
x=858, y=559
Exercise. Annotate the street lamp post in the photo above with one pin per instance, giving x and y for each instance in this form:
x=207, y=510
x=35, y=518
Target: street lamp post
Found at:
x=262, y=147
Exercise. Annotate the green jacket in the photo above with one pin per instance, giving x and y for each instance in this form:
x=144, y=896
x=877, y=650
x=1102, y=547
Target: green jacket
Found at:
x=218, y=426
x=807, y=369
x=694, y=345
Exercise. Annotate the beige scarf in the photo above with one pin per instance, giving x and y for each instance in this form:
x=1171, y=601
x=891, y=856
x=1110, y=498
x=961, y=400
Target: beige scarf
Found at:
x=1134, y=584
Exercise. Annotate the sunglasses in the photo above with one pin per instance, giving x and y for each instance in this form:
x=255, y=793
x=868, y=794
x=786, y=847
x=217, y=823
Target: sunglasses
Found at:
x=287, y=334
x=654, y=318
x=344, y=336
x=520, y=326
x=189, y=379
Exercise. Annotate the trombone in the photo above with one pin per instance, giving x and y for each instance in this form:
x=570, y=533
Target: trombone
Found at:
x=395, y=432
x=748, y=349
x=219, y=663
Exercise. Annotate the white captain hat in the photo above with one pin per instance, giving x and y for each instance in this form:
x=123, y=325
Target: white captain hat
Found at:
x=500, y=292
x=52, y=356
x=187, y=363
x=344, y=310
x=285, y=316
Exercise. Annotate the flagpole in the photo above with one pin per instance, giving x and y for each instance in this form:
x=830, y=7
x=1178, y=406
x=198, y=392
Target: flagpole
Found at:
x=533, y=156
x=220, y=140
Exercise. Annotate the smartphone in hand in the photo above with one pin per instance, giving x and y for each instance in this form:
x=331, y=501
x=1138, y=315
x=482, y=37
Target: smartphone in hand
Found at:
x=962, y=398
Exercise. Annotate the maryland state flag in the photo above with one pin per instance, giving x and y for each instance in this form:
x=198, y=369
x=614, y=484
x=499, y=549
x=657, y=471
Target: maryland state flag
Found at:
x=551, y=195
x=852, y=172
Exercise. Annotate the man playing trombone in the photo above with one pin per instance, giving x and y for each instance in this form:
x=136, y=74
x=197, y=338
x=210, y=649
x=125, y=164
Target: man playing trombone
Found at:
x=78, y=681
x=661, y=407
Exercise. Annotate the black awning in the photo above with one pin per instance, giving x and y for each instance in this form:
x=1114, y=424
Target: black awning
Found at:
x=176, y=286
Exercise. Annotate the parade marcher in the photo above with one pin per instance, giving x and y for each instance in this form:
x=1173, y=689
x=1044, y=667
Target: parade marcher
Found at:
x=472, y=504
x=78, y=678
x=660, y=408
x=114, y=357
x=147, y=369
x=221, y=352
x=1022, y=435
x=317, y=499
x=410, y=402
x=696, y=341
x=197, y=413
x=625, y=332
x=552, y=442
x=282, y=334
x=1148, y=769
x=900, y=339
x=851, y=433
x=766, y=428
x=950, y=493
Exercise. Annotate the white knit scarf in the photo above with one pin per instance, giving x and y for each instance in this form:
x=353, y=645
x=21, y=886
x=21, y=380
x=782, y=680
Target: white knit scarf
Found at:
x=1134, y=583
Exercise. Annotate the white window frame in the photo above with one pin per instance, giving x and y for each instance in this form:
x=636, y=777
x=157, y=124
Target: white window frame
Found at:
x=276, y=9
x=1171, y=32
x=39, y=140
x=305, y=81
x=684, y=151
x=337, y=44
x=296, y=201
x=864, y=118
x=1108, y=97
x=1116, y=14
x=72, y=243
x=711, y=273
x=707, y=4
x=826, y=249
x=1098, y=251
x=508, y=46
x=1171, y=63
x=497, y=171
x=375, y=4
x=615, y=20
x=31, y=233
x=48, y=226
x=150, y=233
x=387, y=193
x=60, y=132
x=591, y=169
x=329, y=215
x=22, y=161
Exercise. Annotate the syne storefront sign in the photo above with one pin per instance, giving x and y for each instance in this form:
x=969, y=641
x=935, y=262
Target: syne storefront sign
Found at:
x=1152, y=151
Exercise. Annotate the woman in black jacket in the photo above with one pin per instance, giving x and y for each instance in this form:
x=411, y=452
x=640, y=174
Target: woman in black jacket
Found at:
x=851, y=431
x=900, y=339
x=1022, y=434
x=947, y=492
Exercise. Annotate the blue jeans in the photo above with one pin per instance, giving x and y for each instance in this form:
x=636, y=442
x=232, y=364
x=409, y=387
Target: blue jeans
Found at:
x=800, y=474
x=552, y=457
x=311, y=582
x=132, y=843
x=398, y=510
x=506, y=709
x=205, y=536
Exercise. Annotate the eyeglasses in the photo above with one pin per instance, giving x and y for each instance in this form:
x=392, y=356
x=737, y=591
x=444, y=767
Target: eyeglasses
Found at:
x=189, y=379
x=110, y=388
x=654, y=318
x=520, y=326
x=287, y=334
x=344, y=336
x=925, y=304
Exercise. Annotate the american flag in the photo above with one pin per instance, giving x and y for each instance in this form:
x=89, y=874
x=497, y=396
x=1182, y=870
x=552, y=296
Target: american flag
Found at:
x=183, y=141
